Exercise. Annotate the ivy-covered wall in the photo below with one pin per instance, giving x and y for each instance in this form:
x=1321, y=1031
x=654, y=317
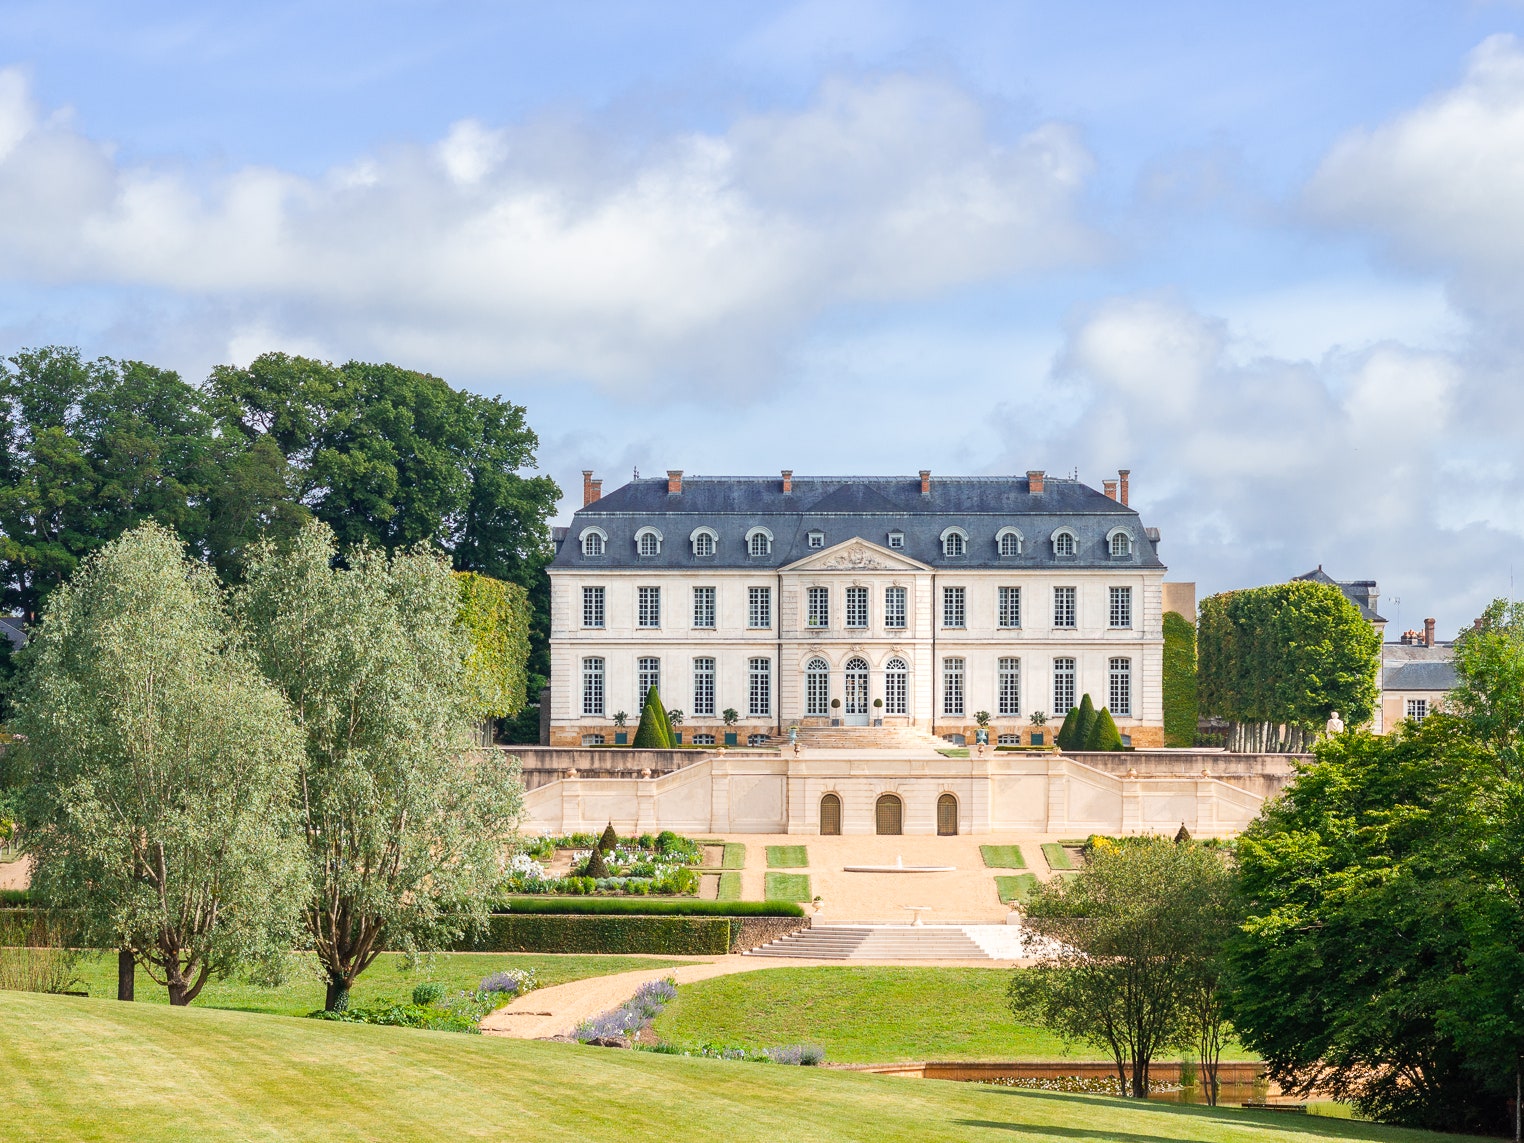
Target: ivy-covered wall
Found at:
x=1180, y=706
x=496, y=614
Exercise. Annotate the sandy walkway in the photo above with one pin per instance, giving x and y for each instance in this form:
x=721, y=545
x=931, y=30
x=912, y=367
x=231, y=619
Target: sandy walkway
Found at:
x=16, y=874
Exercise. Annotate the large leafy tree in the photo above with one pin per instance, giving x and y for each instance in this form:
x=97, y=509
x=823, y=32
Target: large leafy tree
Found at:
x=406, y=826
x=159, y=767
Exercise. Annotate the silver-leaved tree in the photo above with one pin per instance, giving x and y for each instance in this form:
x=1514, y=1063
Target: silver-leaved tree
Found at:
x=160, y=766
x=406, y=826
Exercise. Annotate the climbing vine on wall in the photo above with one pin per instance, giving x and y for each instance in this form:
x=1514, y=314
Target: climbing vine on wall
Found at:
x=496, y=614
x=1180, y=709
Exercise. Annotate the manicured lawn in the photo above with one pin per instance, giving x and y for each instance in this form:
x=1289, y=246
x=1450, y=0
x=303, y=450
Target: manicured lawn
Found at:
x=79, y=1069
x=387, y=981
x=735, y=855
x=1002, y=857
x=1015, y=888
x=786, y=887
x=866, y=1015
x=1057, y=856
x=730, y=886
x=787, y=857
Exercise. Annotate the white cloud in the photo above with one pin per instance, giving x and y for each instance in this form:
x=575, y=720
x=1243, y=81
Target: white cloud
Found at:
x=549, y=249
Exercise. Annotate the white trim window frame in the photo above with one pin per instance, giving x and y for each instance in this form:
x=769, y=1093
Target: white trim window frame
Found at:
x=1121, y=608
x=1009, y=610
x=857, y=607
x=703, y=686
x=954, y=607
x=954, y=672
x=759, y=688
x=1065, y=685
x=647, y=675
x=648, y=607
x=1119, y=686
x=704, y=607
x=703, y=545
x=1065, y=607
x=594, y=541
x=1008, y=696
x=896, y=608
x=759, y=542
x=592, y=687
x=817, y=688
x=1418, y=709
x=759, y=608
x=1065, y=545
x=896, y=686
x=648, y=542
x=593, y=610
x=817, y=607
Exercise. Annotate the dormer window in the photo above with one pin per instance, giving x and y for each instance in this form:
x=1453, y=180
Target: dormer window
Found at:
x=593, y=541
x=817, y=539
x=648, y=542
x=759, y=542
x=896, y=540
x=1121, y=545
x=1008, y=542
x=703, y=540
x=1063, y=542
x=954, y=542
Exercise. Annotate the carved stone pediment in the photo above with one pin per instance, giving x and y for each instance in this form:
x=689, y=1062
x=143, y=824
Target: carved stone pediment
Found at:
x=857, y=555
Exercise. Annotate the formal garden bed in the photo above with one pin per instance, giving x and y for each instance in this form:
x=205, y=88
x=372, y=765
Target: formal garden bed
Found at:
x=663, y=865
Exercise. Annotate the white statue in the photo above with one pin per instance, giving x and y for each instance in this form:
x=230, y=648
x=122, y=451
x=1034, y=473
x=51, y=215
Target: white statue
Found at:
x=1335, y=725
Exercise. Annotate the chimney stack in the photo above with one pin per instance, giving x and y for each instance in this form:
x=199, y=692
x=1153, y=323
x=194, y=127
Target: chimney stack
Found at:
x=674, y=481
x=925, y=481
x=591, y=489
x=788, y=480
x=1035, y=478
x=1122, y=488
x=1428, y=632
x=1111, y=489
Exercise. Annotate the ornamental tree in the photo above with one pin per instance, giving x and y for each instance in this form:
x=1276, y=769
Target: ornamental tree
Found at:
x=405, y=826
x=160, y=767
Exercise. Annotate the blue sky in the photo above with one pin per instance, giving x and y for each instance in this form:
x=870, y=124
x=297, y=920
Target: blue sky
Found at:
x=1270, y=258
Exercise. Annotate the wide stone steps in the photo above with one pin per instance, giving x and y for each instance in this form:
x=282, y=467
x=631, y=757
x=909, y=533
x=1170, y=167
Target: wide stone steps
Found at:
x=876, y=942
x=863, y=738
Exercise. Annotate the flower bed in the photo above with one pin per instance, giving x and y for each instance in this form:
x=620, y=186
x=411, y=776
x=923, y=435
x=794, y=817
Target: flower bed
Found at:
x=438, y=1011
x=648, y=865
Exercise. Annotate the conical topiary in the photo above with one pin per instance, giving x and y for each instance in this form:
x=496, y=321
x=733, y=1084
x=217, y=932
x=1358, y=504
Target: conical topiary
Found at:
x=1084, y=724
x=596, y=866
x=653, y=720
x=666, y=725
x=1065, y=738
x=609, y=839
x=1105, y=736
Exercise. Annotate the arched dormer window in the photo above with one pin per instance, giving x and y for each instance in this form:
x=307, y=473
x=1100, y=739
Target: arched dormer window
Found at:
x=1008, y=542
x=1064, y=542
x=704, y=541
x=759, y=542
x=648, y=541
x=954, y=542
x=1119, y=543
x=594, y=541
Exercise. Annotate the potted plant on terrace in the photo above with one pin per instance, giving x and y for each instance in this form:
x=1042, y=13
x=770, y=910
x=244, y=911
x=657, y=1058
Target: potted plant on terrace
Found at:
x=878, y=712
x=620, y=737
x=1039, y=718
x=675, y=717
x=730, y=716
x=835, y=708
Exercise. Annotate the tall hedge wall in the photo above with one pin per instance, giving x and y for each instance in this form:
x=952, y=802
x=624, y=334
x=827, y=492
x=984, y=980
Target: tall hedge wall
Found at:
x=670, y=936
x=496, y=616
x=1181, y=711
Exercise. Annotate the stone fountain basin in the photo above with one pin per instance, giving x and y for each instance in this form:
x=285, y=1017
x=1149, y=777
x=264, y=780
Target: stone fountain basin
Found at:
x=899, y=868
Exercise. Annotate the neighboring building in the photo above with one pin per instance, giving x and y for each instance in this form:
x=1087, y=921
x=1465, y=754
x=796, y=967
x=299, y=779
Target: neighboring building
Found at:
x=13, y=629
x=917, y=601
x=1363, y=593
x=1417, y=673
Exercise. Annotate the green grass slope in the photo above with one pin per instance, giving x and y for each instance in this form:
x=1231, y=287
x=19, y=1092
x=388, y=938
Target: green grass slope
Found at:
x=81, y=1069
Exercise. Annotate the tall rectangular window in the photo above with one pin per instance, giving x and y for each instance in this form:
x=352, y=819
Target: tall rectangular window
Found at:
x=954, y=606
x=1121, y=607
x=1063, y=607
x=703, y=607
x=952, y=686
x=648, y=607
x=1120, y=691
x=703, y=686
x=857, y=607
x=1009, y=697
x=818, y=607
x=592, y=607
x=647, y=675
x=1010, y=607
x=592, y=686
x=1418, y=709
x=759, y=690
x=1063, y=686
x=759, y=607
x=896, y=679
x=894, y=607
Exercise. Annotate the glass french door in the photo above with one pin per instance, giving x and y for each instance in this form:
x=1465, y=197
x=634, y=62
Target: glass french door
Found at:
x=854, y=703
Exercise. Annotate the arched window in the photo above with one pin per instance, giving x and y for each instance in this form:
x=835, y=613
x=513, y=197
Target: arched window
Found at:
x=947, y=815
x=648, y=542
x=703, y=540
x=855, y=686
x=954, y=542
x=592, y=542
x=1008, y=542
x=759, y=542
x=1121, y=543
x=1063, y=542
x=896, y=679
x=830, y=815
x=888, y=814
x=817, y=687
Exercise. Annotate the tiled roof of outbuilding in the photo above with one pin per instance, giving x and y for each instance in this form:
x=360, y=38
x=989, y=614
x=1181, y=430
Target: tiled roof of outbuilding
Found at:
x=845, y=507
x=1420, y=677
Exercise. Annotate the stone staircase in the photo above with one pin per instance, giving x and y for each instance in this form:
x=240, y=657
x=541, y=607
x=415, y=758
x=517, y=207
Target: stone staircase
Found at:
x=864, y=738
x=876, y=942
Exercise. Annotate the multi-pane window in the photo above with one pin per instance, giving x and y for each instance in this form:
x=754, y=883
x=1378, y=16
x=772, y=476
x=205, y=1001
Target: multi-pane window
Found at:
x=817, y=607
x=817, y=539
x=857, y=607
x=1063, y=607
x=759, y=607
x=592, y=544
x=647, y=675
x=703, y=686
x=1010, y=606
x=703, y=607
x=952, y=545
x=592, y=686
x=703, y=544
x=648, y=607
x=894, y=607
x=592, y=607
x=1418, y=709
x=954, y=606
x=1063, y=686
x=896, y=688
x=896, y=539
x=759, y=544
x=703, y=740
x=759, y=691
x=1063, y=544
x=1010, y=544
x=1121, y=607
x=650, y=544
x=1009, y=696
x=817, y=687
x=1120, y=691
x=952, y=686
x=1121, y=544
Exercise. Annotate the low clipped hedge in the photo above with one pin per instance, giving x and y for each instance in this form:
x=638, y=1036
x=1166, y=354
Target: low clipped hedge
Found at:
x=609, y=933
x=644, y=907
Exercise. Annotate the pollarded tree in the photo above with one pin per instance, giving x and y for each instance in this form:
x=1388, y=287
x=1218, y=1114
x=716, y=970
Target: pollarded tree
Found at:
x=160, y=769
x=406, y=825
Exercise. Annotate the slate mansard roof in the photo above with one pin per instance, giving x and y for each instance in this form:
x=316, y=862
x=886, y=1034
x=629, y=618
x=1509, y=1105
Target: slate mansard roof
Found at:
x=1433, y=676
x=847, y=507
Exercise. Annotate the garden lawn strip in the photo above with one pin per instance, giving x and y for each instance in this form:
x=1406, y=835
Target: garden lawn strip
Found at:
x=787, y=887
x=730, y=886
x=787, y=857
x=1016, y=887
x=1002, y=857
x=1056, y=856
x=136, y=1072
x=735, y=855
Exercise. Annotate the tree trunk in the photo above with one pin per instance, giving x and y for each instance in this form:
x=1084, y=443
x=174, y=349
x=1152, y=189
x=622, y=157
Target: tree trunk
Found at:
x=1139, y=1077
x=126, y=974
x=338, y=996
x=179, y=992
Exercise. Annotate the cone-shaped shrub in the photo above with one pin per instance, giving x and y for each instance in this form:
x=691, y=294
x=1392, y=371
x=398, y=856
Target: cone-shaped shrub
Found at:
x=666, y=724
x=1105, y=736
x=1084, y=725
x=596, y=866
x=609, y=839
x=1066, y=732
x=653, y=721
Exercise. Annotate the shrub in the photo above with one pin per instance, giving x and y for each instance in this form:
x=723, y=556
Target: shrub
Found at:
x=405, y=1016
x=428, y=993
x=653, y=733
x=1180, y=711
x=800, y=1055
x=669, y=936
x=514, y=982
x=1084, y=724
x=636, y=1012
x=1066, y=732
x=624, y=907
x=608, y=839
x=1105, y=736
x=596, y=867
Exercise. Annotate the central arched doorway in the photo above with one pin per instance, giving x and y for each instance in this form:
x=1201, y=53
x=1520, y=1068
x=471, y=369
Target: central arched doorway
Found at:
x=854, y=705
x=889, y=814
x=830, y=815
x=947, y=815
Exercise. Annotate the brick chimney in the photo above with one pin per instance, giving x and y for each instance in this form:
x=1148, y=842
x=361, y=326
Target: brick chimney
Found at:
x=1035, y=478
x=925, y=481
x=1111, y=489
x=788, y=480
x=1428, y=632
x=674, y=481
x=591, y=489
x=1123, y=473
